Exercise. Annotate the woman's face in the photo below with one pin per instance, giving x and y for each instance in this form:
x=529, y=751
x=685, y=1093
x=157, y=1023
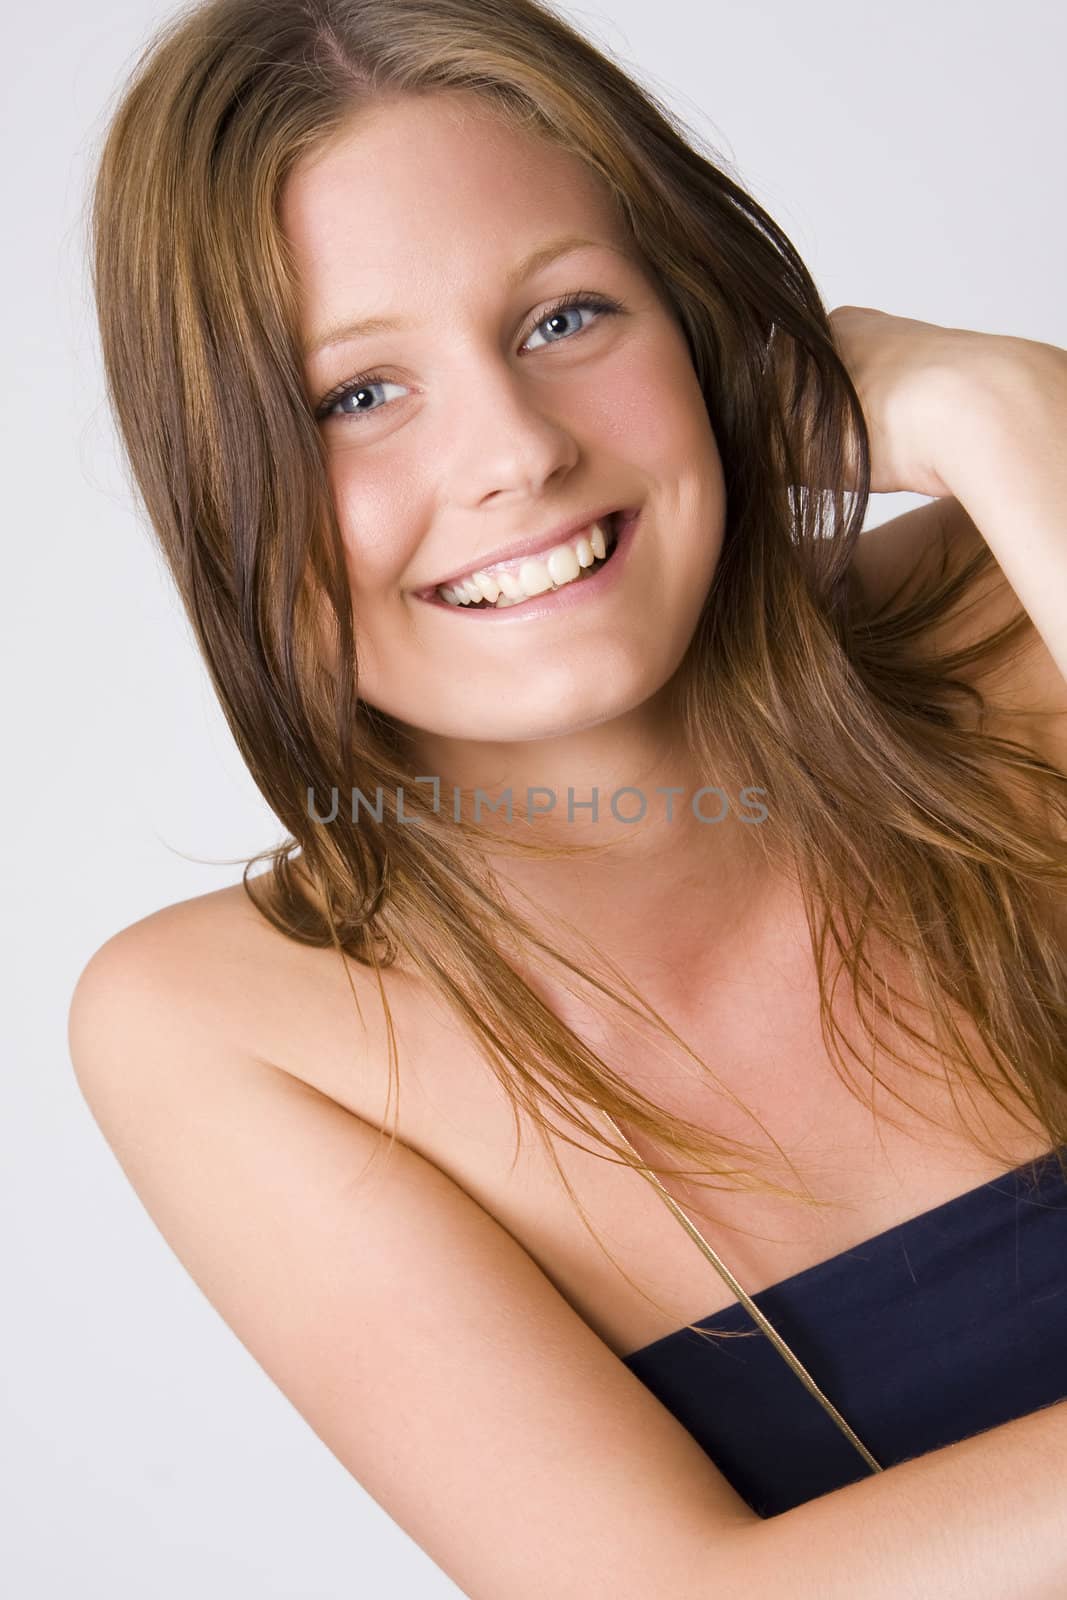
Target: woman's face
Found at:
x=480, y=421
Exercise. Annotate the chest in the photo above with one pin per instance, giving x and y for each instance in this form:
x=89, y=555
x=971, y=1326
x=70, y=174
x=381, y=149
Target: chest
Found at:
x=770, y=1095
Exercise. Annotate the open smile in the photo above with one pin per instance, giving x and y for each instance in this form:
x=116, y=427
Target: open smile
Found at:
x=582, y=570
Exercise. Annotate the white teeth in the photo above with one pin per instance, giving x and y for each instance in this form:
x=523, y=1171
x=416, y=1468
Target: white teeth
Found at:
x=557, y=567
x=534, y=577
x=562, y=564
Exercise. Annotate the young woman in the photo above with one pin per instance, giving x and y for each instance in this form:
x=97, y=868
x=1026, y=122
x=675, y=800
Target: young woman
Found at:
x=645, y=825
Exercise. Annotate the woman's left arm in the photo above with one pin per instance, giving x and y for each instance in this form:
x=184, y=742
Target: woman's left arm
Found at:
x=981, y=418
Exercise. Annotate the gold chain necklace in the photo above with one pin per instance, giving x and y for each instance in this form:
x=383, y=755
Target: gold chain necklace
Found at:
x=753, y=1310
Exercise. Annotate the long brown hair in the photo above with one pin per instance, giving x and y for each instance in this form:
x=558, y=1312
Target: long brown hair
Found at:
x=907, y=832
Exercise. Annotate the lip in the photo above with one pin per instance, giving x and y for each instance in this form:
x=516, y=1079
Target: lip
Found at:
x=535, y=546
x=553, y=601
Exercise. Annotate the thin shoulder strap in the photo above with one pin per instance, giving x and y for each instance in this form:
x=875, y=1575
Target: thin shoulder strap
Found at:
x=753, y=1310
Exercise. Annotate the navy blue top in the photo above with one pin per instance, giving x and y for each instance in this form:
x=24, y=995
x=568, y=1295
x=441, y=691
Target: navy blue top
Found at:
x=946, y=1325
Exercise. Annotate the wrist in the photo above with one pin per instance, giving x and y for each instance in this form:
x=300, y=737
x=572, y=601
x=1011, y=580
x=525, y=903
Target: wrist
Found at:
x=994, y=390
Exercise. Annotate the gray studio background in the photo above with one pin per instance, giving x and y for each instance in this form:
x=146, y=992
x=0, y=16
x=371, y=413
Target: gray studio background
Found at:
x=915, y=155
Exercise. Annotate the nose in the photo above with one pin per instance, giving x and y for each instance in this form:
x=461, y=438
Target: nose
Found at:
x=507, y=442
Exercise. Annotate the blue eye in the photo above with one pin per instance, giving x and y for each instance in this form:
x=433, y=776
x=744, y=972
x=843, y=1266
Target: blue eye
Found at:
x=576, y=302
x=361, y=388
x=358, y=389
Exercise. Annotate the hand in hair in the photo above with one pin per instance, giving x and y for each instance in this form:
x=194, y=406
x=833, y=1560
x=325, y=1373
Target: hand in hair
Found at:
x=901, y=370
x=978, y=418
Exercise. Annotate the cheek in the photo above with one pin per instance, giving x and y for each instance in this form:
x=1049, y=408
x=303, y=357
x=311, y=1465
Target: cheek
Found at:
x=378, y=524
x=653, y=409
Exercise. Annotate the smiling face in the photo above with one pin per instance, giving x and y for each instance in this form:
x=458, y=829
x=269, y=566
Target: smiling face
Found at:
x=484, y=420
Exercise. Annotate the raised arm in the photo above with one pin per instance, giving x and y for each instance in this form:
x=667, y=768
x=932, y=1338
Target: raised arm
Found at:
x=439, y=1364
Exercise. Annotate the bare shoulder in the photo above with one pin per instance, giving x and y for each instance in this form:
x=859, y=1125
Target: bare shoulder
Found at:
x=412, y=1331
x=212, y=967
x=222, y=925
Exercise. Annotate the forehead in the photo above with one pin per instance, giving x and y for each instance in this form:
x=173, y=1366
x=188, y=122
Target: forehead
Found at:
x=420, y=190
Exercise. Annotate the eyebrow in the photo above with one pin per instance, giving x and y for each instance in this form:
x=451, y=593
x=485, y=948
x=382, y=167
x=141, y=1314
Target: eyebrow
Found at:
x=543, y=256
